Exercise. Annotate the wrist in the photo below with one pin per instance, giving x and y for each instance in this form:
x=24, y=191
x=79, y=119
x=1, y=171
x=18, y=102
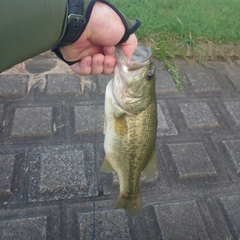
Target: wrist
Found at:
x=79, y=12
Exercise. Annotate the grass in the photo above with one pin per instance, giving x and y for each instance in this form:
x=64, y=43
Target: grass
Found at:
x=186, y=27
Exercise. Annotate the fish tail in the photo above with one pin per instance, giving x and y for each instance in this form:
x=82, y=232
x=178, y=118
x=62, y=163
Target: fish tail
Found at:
x=131, y=204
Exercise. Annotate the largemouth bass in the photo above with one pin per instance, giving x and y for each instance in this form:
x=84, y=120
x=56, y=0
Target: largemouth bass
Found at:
x=130, y=126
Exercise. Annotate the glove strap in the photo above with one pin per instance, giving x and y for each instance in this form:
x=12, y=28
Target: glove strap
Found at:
x=77, y=23
x=78, y=20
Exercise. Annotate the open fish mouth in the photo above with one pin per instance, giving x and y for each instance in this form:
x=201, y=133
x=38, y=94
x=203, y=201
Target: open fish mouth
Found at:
x=140, y=58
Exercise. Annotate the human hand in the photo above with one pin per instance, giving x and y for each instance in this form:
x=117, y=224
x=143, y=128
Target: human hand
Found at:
x=96, y=46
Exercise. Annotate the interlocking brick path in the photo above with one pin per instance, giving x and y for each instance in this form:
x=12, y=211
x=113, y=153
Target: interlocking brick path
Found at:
x=51, y=150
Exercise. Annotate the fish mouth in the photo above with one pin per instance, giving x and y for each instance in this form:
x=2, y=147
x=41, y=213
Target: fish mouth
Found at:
x=140, y=58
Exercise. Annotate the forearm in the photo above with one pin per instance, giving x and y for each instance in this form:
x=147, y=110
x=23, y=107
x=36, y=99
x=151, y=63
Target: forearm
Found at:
x=29, y=27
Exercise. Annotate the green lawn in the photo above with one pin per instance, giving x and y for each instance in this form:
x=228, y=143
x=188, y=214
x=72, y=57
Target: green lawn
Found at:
x=217, y=21
x=170, y=25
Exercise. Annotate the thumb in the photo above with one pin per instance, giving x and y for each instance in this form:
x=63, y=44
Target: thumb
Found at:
x=130, y=45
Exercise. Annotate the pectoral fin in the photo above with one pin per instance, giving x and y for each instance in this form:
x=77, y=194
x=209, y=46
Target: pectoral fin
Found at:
x=120, y=124
x=151, y=170
x=106, y=166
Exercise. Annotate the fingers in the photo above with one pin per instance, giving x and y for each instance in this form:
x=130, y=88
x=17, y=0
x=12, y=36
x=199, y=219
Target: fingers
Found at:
x=97, y=64
x=109, y=64
x=104, y=63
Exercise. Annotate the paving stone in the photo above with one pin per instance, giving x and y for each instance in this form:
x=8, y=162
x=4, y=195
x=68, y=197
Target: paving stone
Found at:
x=40, y=64
x=88, y=83
x=6, y=172
x=198, y=115
x=235, y=79
x=1, y=110
x=63, y=84
x=231, y=206
x=55, y=186
x=14, y=85
x=32, y=121
x=180, y=220
x=166, y=126
x=30, y=223
x=65, y=174
x=233, y=148
x=234, y=110
x=109, y=224
x=94, y=218
x=25, y=228
x=164, y=81
x=61, y=172
x=102, y=82
x=203, y=82
x=162, y=123
x=89, y=119
x=191, y=160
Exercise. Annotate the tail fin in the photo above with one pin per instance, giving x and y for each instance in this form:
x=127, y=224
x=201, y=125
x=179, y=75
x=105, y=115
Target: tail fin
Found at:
x=131, y=204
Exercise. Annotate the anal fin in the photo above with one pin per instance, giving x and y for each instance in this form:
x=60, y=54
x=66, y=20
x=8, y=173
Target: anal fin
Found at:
x=150, y=172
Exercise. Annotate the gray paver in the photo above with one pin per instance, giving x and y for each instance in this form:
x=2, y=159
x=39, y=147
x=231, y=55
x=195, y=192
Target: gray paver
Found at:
x=162, y=123
x=13, y=85
x=198, y=115
x=25, y=228
x=63, y=84
x=89, y=119
x=88, y=83
x=1, y=110
x=55, y=175
x=51, y=150
x=103, y=81
x=180, y=220
x=203, y=82
x=164, y=81
x=234, y=110
x=6, y=172
x=233, y=148
x=40, y=64
x=109, y=224
x=30, y=223
x=32, y=121
x=192, y=160
x=61, y=172
x=235, y=79
x=166, y=126
x=231, y=206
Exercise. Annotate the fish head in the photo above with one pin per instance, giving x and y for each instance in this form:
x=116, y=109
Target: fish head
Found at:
x=134, y=80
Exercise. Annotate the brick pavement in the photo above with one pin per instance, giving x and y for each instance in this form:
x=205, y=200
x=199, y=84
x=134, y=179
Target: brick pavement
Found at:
x=51, y=150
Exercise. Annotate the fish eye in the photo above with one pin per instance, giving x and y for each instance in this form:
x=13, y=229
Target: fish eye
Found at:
x=149, y=75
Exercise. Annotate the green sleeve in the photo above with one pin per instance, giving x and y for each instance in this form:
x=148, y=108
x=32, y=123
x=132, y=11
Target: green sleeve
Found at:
x=29, y=27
